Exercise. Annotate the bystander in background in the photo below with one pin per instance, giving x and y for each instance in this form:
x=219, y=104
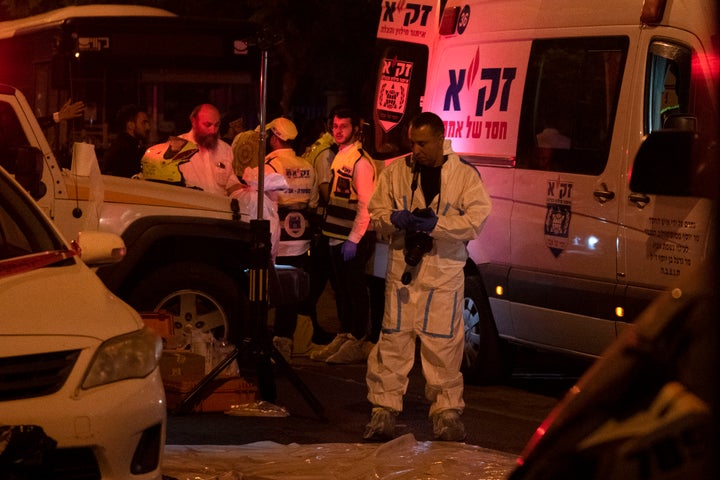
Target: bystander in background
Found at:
x=123, y=158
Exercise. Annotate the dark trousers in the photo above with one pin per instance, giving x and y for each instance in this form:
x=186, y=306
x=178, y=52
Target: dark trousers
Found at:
x=351, y=293
x=320, y=271
x=286, y=315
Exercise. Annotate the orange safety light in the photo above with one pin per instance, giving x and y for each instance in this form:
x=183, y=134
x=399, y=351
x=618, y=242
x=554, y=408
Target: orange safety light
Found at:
x=448, y=23
x=652, y=11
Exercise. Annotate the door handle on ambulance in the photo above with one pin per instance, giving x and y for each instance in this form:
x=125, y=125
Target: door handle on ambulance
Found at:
x=603, y=195
x=639, y=199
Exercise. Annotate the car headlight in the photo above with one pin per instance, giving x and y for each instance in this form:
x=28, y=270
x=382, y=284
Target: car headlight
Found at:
x=134, y=355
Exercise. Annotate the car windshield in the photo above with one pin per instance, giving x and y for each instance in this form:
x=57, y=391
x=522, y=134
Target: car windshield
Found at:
x=23, y=230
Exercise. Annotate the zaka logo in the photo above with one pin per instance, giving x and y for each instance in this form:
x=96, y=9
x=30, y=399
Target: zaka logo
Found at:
x=392, y=94
x=500, y=81
x=413, y=13
x=558, y=215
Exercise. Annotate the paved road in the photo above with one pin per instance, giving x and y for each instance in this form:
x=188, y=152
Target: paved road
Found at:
x=498, y=417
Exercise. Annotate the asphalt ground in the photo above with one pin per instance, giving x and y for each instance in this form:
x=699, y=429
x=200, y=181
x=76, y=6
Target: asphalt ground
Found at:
x=499, y=417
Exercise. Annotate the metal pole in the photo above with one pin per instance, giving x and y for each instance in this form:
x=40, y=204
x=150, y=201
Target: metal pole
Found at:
x=263, y=133
x=260, y=256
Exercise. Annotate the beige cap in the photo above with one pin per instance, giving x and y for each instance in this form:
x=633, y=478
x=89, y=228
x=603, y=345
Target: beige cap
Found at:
x=283, y=128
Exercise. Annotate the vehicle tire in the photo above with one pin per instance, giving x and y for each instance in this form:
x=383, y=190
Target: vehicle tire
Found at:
x=197, y=296
x=486, y=358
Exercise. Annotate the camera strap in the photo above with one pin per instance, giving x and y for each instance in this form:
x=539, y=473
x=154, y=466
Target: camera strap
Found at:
x=414, y=184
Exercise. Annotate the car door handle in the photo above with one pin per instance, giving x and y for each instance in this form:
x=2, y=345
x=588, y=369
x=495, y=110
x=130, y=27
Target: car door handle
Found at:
x=639, y=199
x=603, y=195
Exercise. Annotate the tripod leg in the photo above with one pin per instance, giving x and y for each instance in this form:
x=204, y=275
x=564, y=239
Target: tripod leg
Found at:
x=265, y=374
x=285, y=367
x=262, y=348
x=197, y=393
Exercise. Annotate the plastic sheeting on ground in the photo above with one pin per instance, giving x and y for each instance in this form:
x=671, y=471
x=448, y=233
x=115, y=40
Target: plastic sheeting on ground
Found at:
x=399, y=459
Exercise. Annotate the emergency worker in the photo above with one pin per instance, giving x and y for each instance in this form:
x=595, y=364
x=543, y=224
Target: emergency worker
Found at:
x=430, y=207
x=320, y=154
x=296, y=205
x=211, y=168
x=346, y=225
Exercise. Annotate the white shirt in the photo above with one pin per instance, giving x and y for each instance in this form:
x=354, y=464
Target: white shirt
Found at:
x=211, y=170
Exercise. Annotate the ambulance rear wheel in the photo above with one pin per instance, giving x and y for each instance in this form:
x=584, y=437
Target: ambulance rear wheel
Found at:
x=198, y=296
x=486, y=358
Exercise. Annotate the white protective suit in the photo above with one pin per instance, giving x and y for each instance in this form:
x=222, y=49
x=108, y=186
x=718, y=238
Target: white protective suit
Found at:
x=430, y=306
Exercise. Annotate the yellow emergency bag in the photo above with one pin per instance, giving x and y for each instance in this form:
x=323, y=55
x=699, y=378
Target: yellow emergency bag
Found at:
x=161, y=162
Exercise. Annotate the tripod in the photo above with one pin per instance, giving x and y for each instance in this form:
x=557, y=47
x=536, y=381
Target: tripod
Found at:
x=258, y=343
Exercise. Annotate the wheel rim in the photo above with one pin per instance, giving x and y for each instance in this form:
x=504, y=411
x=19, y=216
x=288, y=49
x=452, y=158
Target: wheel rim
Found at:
x=195, y=309
x=471, y=318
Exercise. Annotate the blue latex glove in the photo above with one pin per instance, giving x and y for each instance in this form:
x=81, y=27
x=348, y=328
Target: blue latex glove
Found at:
x=424, y=224
x=402, y=219
x=348, y=250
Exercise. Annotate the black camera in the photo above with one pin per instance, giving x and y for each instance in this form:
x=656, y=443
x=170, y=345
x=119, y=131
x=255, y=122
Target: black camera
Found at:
x=417, y=244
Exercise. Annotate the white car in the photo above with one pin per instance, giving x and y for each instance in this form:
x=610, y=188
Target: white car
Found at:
x=75, y=360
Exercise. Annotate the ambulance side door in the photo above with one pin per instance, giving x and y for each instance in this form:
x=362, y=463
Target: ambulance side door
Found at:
x=564, y=226
x=664, y=237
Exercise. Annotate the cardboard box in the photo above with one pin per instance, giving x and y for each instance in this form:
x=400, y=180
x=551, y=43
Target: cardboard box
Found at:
x=159, y=322
x=220, y=396
x=181, y=364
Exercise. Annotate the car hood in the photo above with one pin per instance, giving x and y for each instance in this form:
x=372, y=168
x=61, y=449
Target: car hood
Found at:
x=63, y=300
x=129, y=191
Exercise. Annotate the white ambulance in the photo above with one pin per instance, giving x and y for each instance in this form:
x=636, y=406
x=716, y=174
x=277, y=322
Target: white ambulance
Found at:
x=551, y=101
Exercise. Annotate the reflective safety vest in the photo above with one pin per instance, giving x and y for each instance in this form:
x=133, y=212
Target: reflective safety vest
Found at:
x=293, y=202
x=294, y=224
x=161, y=162
x=343, y=203
x=321, y=144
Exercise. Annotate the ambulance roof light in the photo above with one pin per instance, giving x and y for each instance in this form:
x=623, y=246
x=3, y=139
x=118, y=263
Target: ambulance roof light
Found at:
x=652, y=11
x=448, y=22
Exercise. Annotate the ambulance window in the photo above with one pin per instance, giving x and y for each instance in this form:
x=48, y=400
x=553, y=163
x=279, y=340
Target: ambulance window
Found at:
x=667, y=84
x=680, y=95
x=569, y=104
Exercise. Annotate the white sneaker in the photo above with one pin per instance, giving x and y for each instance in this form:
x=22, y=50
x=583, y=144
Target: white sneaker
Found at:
x=331, y=348
x=352, y=351
x=284, y=345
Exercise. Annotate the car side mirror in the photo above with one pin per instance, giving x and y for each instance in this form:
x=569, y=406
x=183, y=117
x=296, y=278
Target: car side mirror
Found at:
x=100, y=248
x=663, y=164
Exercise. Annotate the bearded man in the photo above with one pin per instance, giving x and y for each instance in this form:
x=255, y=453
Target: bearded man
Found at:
x=211, y=168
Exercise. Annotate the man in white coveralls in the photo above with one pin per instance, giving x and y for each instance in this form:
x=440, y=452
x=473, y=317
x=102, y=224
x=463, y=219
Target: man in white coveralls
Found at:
x=430, y=206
